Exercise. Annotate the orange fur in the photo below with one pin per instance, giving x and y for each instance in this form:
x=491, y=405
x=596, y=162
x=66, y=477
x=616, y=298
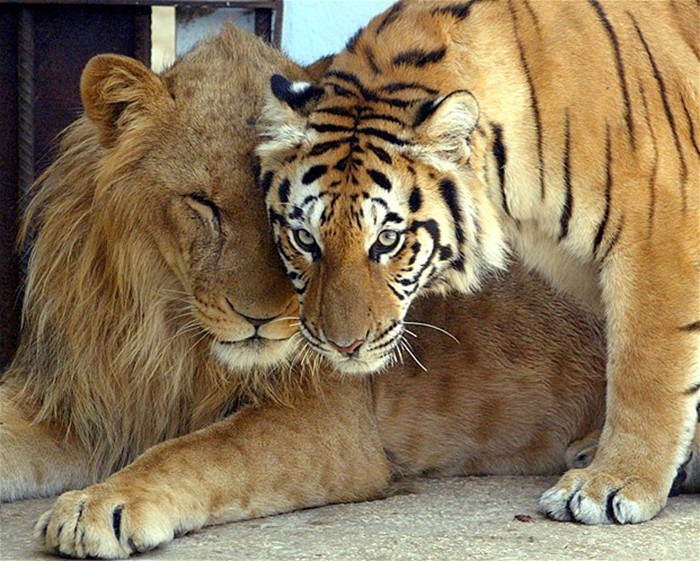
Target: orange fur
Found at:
x=568, y=130
x=510, y=398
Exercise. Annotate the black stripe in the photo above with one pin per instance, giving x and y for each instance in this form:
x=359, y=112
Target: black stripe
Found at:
x=448, y=191
x=387, y=136
x=532, y=13
x=652, y=177
x=381, y=117
x=667, y=110
x=382, y=154
x=569, y=201
x=380, y=179
x=533, y=97
x=342, y=164
x=608, y=192
x=352, y=42
x=345, y=77
x=369, y=55
x=695, y=326
x=691, y=128
x=266, y=182
x=613, y=241
x=327, y=127
x=324, y=147
x=499, y=152
x=284, y=191
x=619, y=65
x=381, y=202
x=340, y=111
x=313, y=174
x=390, y=17
x=342, y=92
x=366, y=93
x=396, y=292
x=426, y=109
x=402, y=86
x=392, y=217
x=117, y=521
x=276, y=218
x=459, y=10
x=415, y=201
x=419, y=58
x=692, y=389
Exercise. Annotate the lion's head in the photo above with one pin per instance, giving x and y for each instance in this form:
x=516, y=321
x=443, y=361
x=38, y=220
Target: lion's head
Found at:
x=155, y=300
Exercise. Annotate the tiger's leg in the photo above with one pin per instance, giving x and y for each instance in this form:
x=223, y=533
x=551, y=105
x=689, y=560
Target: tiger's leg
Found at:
x=261, y=461
x=580, y=454
x=36, y=460
x=652, y=389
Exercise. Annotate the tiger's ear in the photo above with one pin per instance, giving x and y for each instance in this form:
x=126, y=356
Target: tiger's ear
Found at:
x=114, y=88
x=298, y=96
x=442, y=127
x=282, y=123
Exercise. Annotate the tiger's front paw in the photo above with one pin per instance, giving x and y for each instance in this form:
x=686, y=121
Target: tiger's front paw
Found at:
x=593, y=496
x=102, y=523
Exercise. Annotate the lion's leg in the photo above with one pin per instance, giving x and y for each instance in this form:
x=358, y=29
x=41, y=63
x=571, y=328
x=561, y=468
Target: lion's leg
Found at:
x=581, y=452
x=261, y=461
x=36, y=460
x=653, y=383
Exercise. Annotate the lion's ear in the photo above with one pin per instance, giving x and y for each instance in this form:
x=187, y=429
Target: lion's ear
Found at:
x=283, y=122
x=114, y=86
x=443, y=127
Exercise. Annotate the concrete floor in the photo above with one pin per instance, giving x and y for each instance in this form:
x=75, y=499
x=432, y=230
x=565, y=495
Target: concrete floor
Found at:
x=449, y=519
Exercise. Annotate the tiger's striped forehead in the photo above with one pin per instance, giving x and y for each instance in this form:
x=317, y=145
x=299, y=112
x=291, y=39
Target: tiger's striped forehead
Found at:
x=355, y=174
x=352, y=194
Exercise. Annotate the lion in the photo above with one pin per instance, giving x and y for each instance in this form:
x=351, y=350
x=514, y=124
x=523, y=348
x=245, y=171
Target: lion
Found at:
x=161, y=334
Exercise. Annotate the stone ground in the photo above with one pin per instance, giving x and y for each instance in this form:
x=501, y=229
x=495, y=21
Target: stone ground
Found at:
x=449, y=519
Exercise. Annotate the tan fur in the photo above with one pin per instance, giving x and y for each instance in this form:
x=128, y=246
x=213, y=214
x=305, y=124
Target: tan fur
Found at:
x=569, y=130
x=131, y=283
x=509, y=398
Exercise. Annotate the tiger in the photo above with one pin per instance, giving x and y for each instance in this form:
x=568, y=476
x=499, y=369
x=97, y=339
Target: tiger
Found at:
x=447, y=136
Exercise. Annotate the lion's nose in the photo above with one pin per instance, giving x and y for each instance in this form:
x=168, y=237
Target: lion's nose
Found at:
x=349, y=349
x=257, y=322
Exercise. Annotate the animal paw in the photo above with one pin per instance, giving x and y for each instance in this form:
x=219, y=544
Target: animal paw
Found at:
x=595, y=497
x=102, y=523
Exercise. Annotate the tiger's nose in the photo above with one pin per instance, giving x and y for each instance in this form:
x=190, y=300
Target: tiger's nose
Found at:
x=349, y=349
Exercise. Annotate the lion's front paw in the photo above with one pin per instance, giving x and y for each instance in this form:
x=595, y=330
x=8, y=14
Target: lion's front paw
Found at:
x=98, y=522
x=595, y=497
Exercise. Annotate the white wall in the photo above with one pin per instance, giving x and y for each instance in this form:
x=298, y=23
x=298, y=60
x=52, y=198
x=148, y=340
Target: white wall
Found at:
x=314, y=28
x=310, y=28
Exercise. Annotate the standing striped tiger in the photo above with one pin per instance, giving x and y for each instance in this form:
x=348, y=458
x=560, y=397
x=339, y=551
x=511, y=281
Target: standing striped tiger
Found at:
x=446, y=131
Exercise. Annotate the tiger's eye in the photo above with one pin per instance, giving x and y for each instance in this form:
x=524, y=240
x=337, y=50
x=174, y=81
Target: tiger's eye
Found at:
x=304, y=239
x=388, y=238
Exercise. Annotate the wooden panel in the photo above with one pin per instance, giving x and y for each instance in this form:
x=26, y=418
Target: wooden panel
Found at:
x=9, y=264
x=48, y=46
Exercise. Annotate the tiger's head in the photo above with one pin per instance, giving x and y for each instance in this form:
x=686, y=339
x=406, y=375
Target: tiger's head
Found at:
x=373, y=201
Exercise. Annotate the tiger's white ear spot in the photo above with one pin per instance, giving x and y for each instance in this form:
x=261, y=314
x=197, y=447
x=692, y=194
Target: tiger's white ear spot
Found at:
x=298, y=95
x=282, y=122
x=442, y=127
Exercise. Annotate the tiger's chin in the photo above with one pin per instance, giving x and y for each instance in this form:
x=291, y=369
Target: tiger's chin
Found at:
x=361, y=365
x=253, y=353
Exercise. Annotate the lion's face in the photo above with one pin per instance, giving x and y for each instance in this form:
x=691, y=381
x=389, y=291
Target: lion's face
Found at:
x=179, y=178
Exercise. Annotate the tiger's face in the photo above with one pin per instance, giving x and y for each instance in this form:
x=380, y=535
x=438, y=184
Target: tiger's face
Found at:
x=365, y=218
